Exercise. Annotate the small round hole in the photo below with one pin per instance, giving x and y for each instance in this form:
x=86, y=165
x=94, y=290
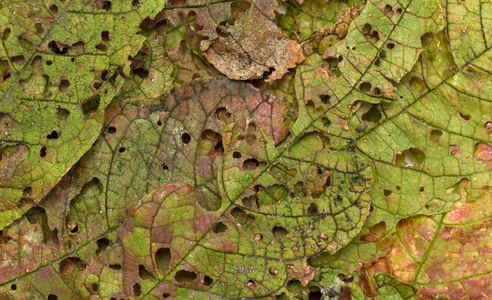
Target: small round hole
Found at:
x=236, y=154
x=122, y=149
x=185, y=138
x=112, y=130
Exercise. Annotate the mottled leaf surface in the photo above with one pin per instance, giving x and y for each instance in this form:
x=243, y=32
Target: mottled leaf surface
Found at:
x=245, y=149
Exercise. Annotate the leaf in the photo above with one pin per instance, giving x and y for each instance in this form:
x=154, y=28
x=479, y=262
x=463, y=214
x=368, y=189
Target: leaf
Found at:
x=249, y=45
x=58, y=77
x=446, y=253
x=352, y=161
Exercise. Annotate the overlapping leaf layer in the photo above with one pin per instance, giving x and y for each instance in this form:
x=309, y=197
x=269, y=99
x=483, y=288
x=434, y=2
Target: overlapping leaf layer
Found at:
x=245, y=149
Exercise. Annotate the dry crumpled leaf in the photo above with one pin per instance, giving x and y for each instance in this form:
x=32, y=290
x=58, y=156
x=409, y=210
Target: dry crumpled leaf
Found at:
x=250, y=46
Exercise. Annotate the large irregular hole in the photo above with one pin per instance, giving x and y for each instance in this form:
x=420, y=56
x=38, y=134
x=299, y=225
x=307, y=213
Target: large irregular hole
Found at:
x=372, y=115
x=375, y=233
x=279, y=232
x=43, y=153
x=105, y=36
x=97, y=85
x=272, y=194
x=102, y=244
x=219, y=227
x=6, y=33
x=64, y=85
x=102, y=47
x=137, y=289
x=435, y=135
x=222, y=114
x=250, y=138
x=27, y=192
x=370, y=34
x=185, y=276
x=294, y=285
x=251, y=202
x=315, y=293
x=106, y=5
x=141, y=72
x=411, y=157
x=162, y=259
x=250, y=164
x=104, y=75
x=417, y=84
x=210, y=143
x=239, y=214
x=62, y=113
x=365, y=87
x=427, y=38
x=183, y=49
x=39, y=28
x=250, y=284
x=54, y=9
x=70, y=266
x=325, y=99
x=388, y=10
x=91, y=105
x=366, y=29
x=144, y=274
x=207, y=280
x=19, y=59
x=58, y=48
x=312, y=209
x=53, y=135
x=115, y=267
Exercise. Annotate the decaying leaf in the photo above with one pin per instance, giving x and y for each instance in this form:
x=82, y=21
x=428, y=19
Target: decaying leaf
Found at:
x=249, y=45
x=345, y=154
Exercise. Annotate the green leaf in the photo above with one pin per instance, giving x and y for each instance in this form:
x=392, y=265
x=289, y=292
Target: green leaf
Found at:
x=62, y=63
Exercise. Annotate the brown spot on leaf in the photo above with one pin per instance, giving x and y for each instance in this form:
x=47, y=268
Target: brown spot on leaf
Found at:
x=483, y=152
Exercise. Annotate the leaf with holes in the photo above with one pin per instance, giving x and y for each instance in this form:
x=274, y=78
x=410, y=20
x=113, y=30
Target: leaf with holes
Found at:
x=428, y=149
x=62, y=63
x=353, y=160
